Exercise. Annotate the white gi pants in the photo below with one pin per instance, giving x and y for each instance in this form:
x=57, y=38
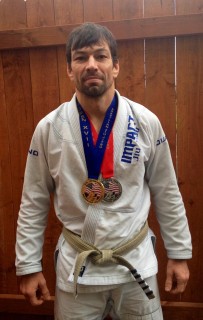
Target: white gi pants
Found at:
x=125, y=302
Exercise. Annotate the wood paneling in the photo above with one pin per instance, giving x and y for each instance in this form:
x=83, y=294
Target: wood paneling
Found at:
x=68, y=12
x=160, y=98
x=44, y=77
x=190, y=140
x=129, y=9
x=194, y=6
x=9, y=20
x=156, y=8
x=40, y=13
x=20, y=128
x=131, y=80
x=45, y=97
x=123, y=30
x=5, y=316
x=5, y=184
x=190, y=146
x=21, y=306
x=96, y=10
x=160, y=94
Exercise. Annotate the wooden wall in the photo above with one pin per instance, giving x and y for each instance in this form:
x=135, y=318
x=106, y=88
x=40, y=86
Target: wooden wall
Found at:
x=161, y=59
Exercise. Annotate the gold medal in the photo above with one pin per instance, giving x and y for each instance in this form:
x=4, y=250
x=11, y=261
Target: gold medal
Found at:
x=92, y=191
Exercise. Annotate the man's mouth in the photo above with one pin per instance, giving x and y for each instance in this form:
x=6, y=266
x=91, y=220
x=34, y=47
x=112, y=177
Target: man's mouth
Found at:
x=91, y=78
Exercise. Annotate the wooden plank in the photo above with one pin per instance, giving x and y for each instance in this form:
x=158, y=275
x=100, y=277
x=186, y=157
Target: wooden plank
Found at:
x=66, y=87
x=160, y=73
x=156, y=8
x=182, y=305
x=7, y=240
x=6, y=199
x=190, y=148
x=182, y=314
x=155, y=27
x=5, y=166
x=43, y=64
x=131, y=80
x=160, y=99
x=186, y=312
x=40, y=13
x=9, y=20
x=160, y=95
x=189, y=138
x=97, y=10
x=68, y=12
x=44, y=78
x=16, y=67
x=128, y=9
x=194, y=6
x=20, y=125
x=15, y=93
x=6, y=316
x=19, y=112
x=21, y=306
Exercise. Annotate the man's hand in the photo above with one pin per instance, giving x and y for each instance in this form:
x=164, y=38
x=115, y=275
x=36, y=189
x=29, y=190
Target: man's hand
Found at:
x=177, y=275
x=33, y=287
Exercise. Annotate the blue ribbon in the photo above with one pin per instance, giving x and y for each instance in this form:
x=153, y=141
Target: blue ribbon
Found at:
x=94, y=154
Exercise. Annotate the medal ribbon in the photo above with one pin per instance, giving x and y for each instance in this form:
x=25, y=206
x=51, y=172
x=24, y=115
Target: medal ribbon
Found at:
x=94, y=154
x=107, y=167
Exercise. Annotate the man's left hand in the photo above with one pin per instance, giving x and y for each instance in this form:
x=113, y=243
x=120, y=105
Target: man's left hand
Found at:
x=177, y=275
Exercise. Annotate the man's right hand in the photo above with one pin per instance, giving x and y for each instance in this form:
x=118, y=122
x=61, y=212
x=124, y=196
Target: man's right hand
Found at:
x=33, y=287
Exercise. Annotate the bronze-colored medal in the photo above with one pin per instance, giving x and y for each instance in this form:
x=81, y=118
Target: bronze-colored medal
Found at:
x=92, y=191
x=113, y=189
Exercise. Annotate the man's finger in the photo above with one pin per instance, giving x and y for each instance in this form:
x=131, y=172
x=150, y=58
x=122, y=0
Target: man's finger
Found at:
x=180, y=287
x=46, y=294
x=168, y=283
x=33, y=299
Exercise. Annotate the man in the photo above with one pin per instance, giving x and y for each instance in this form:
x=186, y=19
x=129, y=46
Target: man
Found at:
x=102, y=156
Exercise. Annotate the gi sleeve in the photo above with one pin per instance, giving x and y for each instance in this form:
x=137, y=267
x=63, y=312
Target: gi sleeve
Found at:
x=169, y=207
x=35, y=203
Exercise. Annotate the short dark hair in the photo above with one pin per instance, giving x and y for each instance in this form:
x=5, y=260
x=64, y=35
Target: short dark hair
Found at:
x=89, y=34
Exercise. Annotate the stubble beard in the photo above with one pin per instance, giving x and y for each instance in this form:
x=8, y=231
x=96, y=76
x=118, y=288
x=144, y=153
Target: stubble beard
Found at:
x=96, y=90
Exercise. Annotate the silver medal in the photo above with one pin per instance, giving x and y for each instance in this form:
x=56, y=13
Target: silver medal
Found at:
x=113, y=189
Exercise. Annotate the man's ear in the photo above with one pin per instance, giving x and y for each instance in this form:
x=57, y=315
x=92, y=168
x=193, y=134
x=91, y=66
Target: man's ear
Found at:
x=116, y=69
x=69, y=72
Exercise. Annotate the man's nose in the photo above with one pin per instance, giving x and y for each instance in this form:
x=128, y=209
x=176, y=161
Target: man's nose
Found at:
x=91, y=63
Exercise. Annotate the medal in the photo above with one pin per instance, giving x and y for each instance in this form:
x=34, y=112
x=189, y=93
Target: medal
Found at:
x=92, y=191
x=113, y=189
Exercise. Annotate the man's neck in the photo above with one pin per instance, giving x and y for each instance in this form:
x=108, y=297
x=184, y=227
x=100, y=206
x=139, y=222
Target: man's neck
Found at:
x=96, y=107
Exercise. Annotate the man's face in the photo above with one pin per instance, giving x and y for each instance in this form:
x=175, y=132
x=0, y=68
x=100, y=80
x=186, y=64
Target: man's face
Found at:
x=92, y=70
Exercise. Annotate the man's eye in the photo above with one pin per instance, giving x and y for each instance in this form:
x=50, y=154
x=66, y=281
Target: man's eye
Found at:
x=80, y=58
x=101, y=57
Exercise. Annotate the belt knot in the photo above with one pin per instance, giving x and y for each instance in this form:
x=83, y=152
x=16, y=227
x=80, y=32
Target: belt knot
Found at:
x=105, y=256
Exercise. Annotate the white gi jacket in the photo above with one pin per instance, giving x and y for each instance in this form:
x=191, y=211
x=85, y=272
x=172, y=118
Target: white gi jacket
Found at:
x=142, y=164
